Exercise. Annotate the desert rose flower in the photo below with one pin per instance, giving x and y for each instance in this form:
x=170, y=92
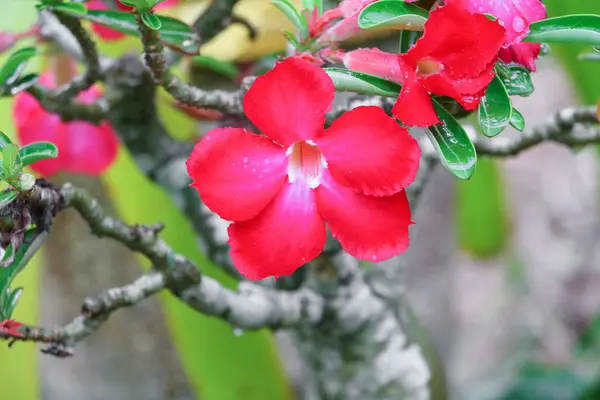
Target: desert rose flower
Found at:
x=455, y=57
x=281, y=188
x=10, y=327
x=82, y=146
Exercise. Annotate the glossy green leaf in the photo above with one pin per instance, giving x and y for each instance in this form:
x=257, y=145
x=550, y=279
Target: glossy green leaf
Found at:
x=37, y=151
x=75, y=9
x=495, y=109
x=10, y=159
x=350, y=81
x=590, y=56
x=4, y=140
x=393, y=14
x=174, y=33
x=288, y=9
x=517, y=80
x=227, y=69
x=582, y=28
x=450, y=140
x=14, y=66
x=517, y=120
x=408, y=39
x=7, y=197
x=151, y=21
x=10, y=303
x=141, y=5
x=22, y=83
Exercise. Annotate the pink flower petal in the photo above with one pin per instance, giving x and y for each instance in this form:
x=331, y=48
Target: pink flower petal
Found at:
x=88, y=149
x=514, y=15
x=237, y=173
x=369, y=152
x=289, y=102
x=368, y=227
x=374, y=62
x=82, y=147
x=288, y=233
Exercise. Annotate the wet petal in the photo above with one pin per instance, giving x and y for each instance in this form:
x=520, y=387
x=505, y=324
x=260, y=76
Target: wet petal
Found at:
x=368, y=227
x=522, y=53
x=374, y=62
x=467, y=91
x=288, y=233
x=464, y=43
x=237, y=173
x=514, y=15
x=289, y=102
x=414, y=106
x=369, y=152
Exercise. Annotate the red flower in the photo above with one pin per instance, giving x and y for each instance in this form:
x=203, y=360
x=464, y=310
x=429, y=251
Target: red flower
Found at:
x=11, y=327
x=455, y=57
x=83, y=147
x=515, y=16
x=280, y=189
x=110, y=34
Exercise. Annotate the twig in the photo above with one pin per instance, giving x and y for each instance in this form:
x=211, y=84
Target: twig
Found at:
x=252, y=307
x=226, y=102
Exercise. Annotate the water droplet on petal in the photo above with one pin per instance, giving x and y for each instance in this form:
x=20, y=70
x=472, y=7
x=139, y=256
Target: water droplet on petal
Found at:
x=518, y=24
x=245, y=160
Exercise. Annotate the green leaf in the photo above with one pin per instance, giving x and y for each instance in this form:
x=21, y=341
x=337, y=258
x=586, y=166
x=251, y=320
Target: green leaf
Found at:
x=393, y=14
x=10, y=160
x=450, y=140
x=291, y=38
x=582, y=28
x=227, y=69
x=142, y=6
x=7, y=197
x=9, y=304
x=21, y=84
x=173, y=33
x=292, y=14
x=495, y=109
x=517, y=81
x=151, y=21
x=590, y=56
x=37, y=151
x=75, y=9
x=408, y=39
x=350, y=81
x=4, y=140
x=517, y=120
x=15, y=65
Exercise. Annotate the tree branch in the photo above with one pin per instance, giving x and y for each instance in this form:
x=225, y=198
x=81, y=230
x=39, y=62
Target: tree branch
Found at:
x=252, y=307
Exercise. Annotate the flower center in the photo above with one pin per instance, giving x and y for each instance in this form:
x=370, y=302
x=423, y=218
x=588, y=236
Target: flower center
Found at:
x=306, y=163
x=427, y=66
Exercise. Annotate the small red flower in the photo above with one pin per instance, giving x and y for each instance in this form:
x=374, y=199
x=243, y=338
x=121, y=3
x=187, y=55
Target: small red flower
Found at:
x=515, y=16
x=455, y=57
x=280, y=189
x=11, y=327
x=82, y=147
x=110, y=34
